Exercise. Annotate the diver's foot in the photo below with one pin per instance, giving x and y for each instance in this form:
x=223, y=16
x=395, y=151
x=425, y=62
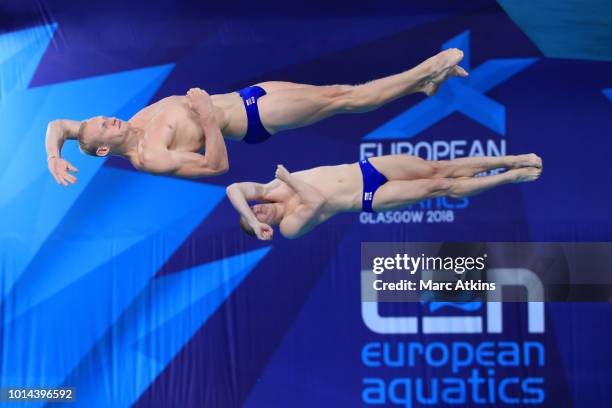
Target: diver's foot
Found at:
x=528, y=160
x=440, y=67
x=526, y=174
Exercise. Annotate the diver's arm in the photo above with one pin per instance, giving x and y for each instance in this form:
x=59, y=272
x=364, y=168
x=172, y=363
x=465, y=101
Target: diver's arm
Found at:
x=309, y=195
x=58, y=131
x=215, y=150
x=305, y=215
x=239, y=194
x=181, y=164
x=161, y=160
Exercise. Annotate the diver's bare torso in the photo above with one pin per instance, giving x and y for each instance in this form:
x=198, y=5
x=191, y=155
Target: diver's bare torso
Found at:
x=174, y=113
x=341, y=186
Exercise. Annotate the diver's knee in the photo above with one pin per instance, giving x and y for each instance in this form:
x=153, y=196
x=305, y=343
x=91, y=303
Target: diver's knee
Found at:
x=438, y=187
x=351, y=99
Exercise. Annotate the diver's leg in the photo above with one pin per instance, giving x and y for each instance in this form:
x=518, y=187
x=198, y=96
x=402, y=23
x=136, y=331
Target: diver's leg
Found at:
x=400, y=193
x=295, y=105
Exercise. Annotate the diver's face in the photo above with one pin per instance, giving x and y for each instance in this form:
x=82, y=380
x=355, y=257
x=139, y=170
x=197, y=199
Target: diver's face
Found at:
x=266, y=213
x=104, y=130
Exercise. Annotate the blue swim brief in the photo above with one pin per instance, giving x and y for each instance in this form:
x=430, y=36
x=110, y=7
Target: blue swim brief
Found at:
x=372, y=180
x=256, y=133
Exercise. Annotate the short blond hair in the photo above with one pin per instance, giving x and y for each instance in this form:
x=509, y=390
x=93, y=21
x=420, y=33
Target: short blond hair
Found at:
x=87, y=148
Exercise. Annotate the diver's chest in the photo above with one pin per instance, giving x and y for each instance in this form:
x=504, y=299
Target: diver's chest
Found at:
x=179, y=132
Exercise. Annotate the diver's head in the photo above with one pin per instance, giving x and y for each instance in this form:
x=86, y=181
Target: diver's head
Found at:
x=266, y=213
x=100, y=135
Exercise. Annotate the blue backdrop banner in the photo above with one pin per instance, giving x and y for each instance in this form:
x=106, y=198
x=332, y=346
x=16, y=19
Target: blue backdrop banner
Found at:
x=141, y=290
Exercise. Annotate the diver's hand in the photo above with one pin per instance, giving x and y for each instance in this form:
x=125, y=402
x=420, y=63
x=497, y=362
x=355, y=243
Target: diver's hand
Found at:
x=263, y=231
x=282, y=173
x=60, y=169
x=201, y=103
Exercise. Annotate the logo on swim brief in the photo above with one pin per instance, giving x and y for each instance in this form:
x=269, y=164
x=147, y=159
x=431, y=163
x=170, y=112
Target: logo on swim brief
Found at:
x=249, y=101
